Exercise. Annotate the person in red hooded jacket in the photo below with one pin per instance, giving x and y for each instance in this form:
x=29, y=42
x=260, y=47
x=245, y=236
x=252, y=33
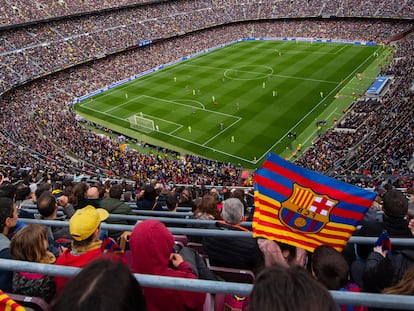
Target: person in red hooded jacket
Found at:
x=152, y=253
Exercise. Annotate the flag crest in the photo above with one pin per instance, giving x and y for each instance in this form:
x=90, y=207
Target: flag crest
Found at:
x=303, y=208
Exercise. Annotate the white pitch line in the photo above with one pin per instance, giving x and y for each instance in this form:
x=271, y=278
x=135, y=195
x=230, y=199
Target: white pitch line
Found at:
x=273, y=75
x=207, y=141
x=180, y=104
x=306, y=115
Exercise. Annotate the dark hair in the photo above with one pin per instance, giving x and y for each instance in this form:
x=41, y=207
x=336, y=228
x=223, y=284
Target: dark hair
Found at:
x=78, y=193
x=208, y=205
x=42, y=187
x=395, y=204
x=330, y=267
x=149, y=193
x=172, y=201
x=22, y=191
x=7, y=190
x=6, y=211
x=46, y=204
x=292, y=288
x=115, y=191
x=104, y=284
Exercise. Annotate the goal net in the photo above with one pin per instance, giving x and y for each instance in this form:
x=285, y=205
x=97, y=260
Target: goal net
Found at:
x=139, y=123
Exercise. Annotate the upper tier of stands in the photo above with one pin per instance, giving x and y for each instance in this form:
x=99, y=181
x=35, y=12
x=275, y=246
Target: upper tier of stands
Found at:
x=26, y=11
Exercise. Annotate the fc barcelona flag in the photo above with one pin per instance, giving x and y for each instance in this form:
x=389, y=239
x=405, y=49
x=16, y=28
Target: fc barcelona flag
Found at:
x=303, y=208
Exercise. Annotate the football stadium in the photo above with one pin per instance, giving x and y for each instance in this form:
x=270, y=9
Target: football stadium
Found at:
x=264, y=142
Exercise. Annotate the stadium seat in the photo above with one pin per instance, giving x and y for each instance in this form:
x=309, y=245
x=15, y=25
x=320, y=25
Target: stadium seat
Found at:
x=233, y=275
x=180, y=240
x=30, y=303
x=200, y=249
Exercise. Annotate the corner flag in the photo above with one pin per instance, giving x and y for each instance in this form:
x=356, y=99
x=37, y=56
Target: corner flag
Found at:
x=303, y=208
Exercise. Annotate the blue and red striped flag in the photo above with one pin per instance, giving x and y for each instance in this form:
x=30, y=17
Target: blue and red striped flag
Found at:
x=303, y=208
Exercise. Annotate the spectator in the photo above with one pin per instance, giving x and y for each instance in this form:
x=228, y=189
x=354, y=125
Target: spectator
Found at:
x=146, y=198
x=47, y=207
x=62, y=199
x=151, y=246
x=405, y=286
x=395, y=207
x=84, y=227
x=30, y=244
x=78, y=196
x=8, y=219
x=92, y=195
x=240, y=253
x=105, y=284
x=207, y=209
x=186, y=199
x=331, y=269
x=172, y=202
x=239, y=194
x=114, y=205
x=161, y=201
x=281, y=253
x=284, y=289
x=382, y=271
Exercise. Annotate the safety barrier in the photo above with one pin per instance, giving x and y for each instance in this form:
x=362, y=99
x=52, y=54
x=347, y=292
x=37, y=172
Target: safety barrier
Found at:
x=215, y=287
x=168, y=220
x=211, y=232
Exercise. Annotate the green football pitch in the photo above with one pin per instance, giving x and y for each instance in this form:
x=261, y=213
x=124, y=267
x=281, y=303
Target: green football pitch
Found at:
x=239, y=102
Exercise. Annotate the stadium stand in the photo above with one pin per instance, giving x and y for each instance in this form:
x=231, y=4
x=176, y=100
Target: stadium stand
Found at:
x=51, y=54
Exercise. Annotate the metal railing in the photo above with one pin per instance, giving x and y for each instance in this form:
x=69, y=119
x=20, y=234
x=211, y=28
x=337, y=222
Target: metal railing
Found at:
x=215, y=287
x=210, y=232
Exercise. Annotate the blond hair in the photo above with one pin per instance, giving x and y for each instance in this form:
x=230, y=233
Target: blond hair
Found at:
x=405, y=286
x=30, y=244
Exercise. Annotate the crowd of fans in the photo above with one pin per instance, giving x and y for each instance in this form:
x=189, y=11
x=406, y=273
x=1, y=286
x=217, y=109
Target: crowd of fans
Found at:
x=39, y=125
x=382, y=139
x=150, y=248
x=24, y=11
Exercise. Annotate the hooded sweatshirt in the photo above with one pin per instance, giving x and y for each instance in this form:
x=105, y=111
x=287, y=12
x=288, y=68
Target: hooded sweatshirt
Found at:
x=151, y=246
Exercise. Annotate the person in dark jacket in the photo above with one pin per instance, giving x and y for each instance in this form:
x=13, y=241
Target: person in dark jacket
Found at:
x=230, y=252
x=8, y=219
x=114, y=205
x=382, y=271
x=394, y=221
x=147, y=197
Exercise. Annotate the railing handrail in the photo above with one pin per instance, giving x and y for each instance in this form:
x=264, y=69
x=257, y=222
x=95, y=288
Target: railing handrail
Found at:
x=341, y=297
x=211, y=232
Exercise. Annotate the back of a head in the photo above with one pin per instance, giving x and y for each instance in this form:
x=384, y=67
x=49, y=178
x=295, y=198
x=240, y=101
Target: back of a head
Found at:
x=22, y=192
x=233, y=211
x=149, y=193
x=115, y=191
x=286, y=289
x=395, y=204
x=151, y=245
x=42, y=187
x=104, y=284
x=7, y=190
x=46, y=204
x=172, y=202
x=92, y=193
x=330, y=267
x=29, y=244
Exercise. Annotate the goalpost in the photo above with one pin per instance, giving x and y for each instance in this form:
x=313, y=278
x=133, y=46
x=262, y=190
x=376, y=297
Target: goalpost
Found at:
x=139, y=123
